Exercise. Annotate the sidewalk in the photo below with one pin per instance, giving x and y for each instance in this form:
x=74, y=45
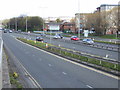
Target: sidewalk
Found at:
x=5, y=73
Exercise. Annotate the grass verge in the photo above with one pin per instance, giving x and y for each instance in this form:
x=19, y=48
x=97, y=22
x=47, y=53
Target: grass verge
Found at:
x=14, y=81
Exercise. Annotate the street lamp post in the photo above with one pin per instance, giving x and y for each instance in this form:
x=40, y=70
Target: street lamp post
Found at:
x=43, y=19
x=9, y=24
x=43, y=26
x=16, y=24
x=78, y=18
x=26, y=23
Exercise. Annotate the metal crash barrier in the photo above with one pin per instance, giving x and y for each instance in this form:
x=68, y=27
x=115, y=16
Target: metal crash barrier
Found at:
x=1, y=48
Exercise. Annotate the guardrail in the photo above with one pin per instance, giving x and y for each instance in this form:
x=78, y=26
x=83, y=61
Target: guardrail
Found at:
x=112, y=48
x=1, y=48
x=106, y=47
x=88, y=55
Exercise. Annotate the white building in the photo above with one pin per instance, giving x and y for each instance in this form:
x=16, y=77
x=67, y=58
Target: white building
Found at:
x=0, y=24
x=62, y=18
x=107, y=7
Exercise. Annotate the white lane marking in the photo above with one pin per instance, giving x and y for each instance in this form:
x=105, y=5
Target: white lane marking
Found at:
x=12, y=36
x=87, y=67
x=89, y=86
x=30, y=77
x=33, y=55
x=64, y=73
x=49, y=65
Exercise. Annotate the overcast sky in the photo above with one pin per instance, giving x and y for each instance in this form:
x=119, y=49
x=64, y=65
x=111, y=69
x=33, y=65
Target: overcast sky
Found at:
x=49, y=8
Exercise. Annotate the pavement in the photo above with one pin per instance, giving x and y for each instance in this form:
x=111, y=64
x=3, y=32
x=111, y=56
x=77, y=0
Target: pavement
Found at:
x=5, y=73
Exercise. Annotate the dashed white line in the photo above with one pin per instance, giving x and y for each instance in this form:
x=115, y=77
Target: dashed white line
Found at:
x=49, y=65
x=89, y=86
x=64, y=73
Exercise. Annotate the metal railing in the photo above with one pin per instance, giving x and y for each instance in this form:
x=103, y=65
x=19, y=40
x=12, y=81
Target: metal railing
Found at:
x=1, y=48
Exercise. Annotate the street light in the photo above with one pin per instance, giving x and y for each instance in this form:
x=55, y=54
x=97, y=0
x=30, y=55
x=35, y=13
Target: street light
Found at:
x=43, y=26
x=26, y=23
x=15, y=23
x=78, y=19
x=9, y=24
x=50, y=33
x=43, y=19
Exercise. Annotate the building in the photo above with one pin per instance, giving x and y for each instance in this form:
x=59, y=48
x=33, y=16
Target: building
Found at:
x=109, y=17
x=68, y=27
x=1, y=25
x=80, y=20
x=62, y=18
x=107, y=7
x=52, y=26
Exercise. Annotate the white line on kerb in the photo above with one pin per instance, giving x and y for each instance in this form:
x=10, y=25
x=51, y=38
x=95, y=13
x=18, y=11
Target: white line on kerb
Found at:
x=89, y=86
x=90, y=68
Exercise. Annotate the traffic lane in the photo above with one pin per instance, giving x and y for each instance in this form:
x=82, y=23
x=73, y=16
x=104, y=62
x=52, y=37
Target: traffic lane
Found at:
x=82, y=48
x=68, y=38
x=110, y=45
x=46, y=75
x=48, y=69
x=38, y=69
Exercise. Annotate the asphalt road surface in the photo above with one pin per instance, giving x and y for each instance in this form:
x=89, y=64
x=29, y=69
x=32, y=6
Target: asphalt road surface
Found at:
x=82, y=48
x=55, y=72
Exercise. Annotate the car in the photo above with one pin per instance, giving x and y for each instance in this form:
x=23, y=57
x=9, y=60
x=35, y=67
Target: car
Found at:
x=10, y=31
x=5, y=31
x=89, y=41
x=39, y=39
x=74, y=38
x=56, y=37
x=60, y=36
x=42, y=34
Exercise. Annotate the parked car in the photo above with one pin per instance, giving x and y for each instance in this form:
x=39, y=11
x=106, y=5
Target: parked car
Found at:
x=74, y=38
x=39, y=39
x=89, y=41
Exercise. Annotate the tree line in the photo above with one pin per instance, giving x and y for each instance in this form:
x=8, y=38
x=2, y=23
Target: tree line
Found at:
x=34, y=23
x=102, y=21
